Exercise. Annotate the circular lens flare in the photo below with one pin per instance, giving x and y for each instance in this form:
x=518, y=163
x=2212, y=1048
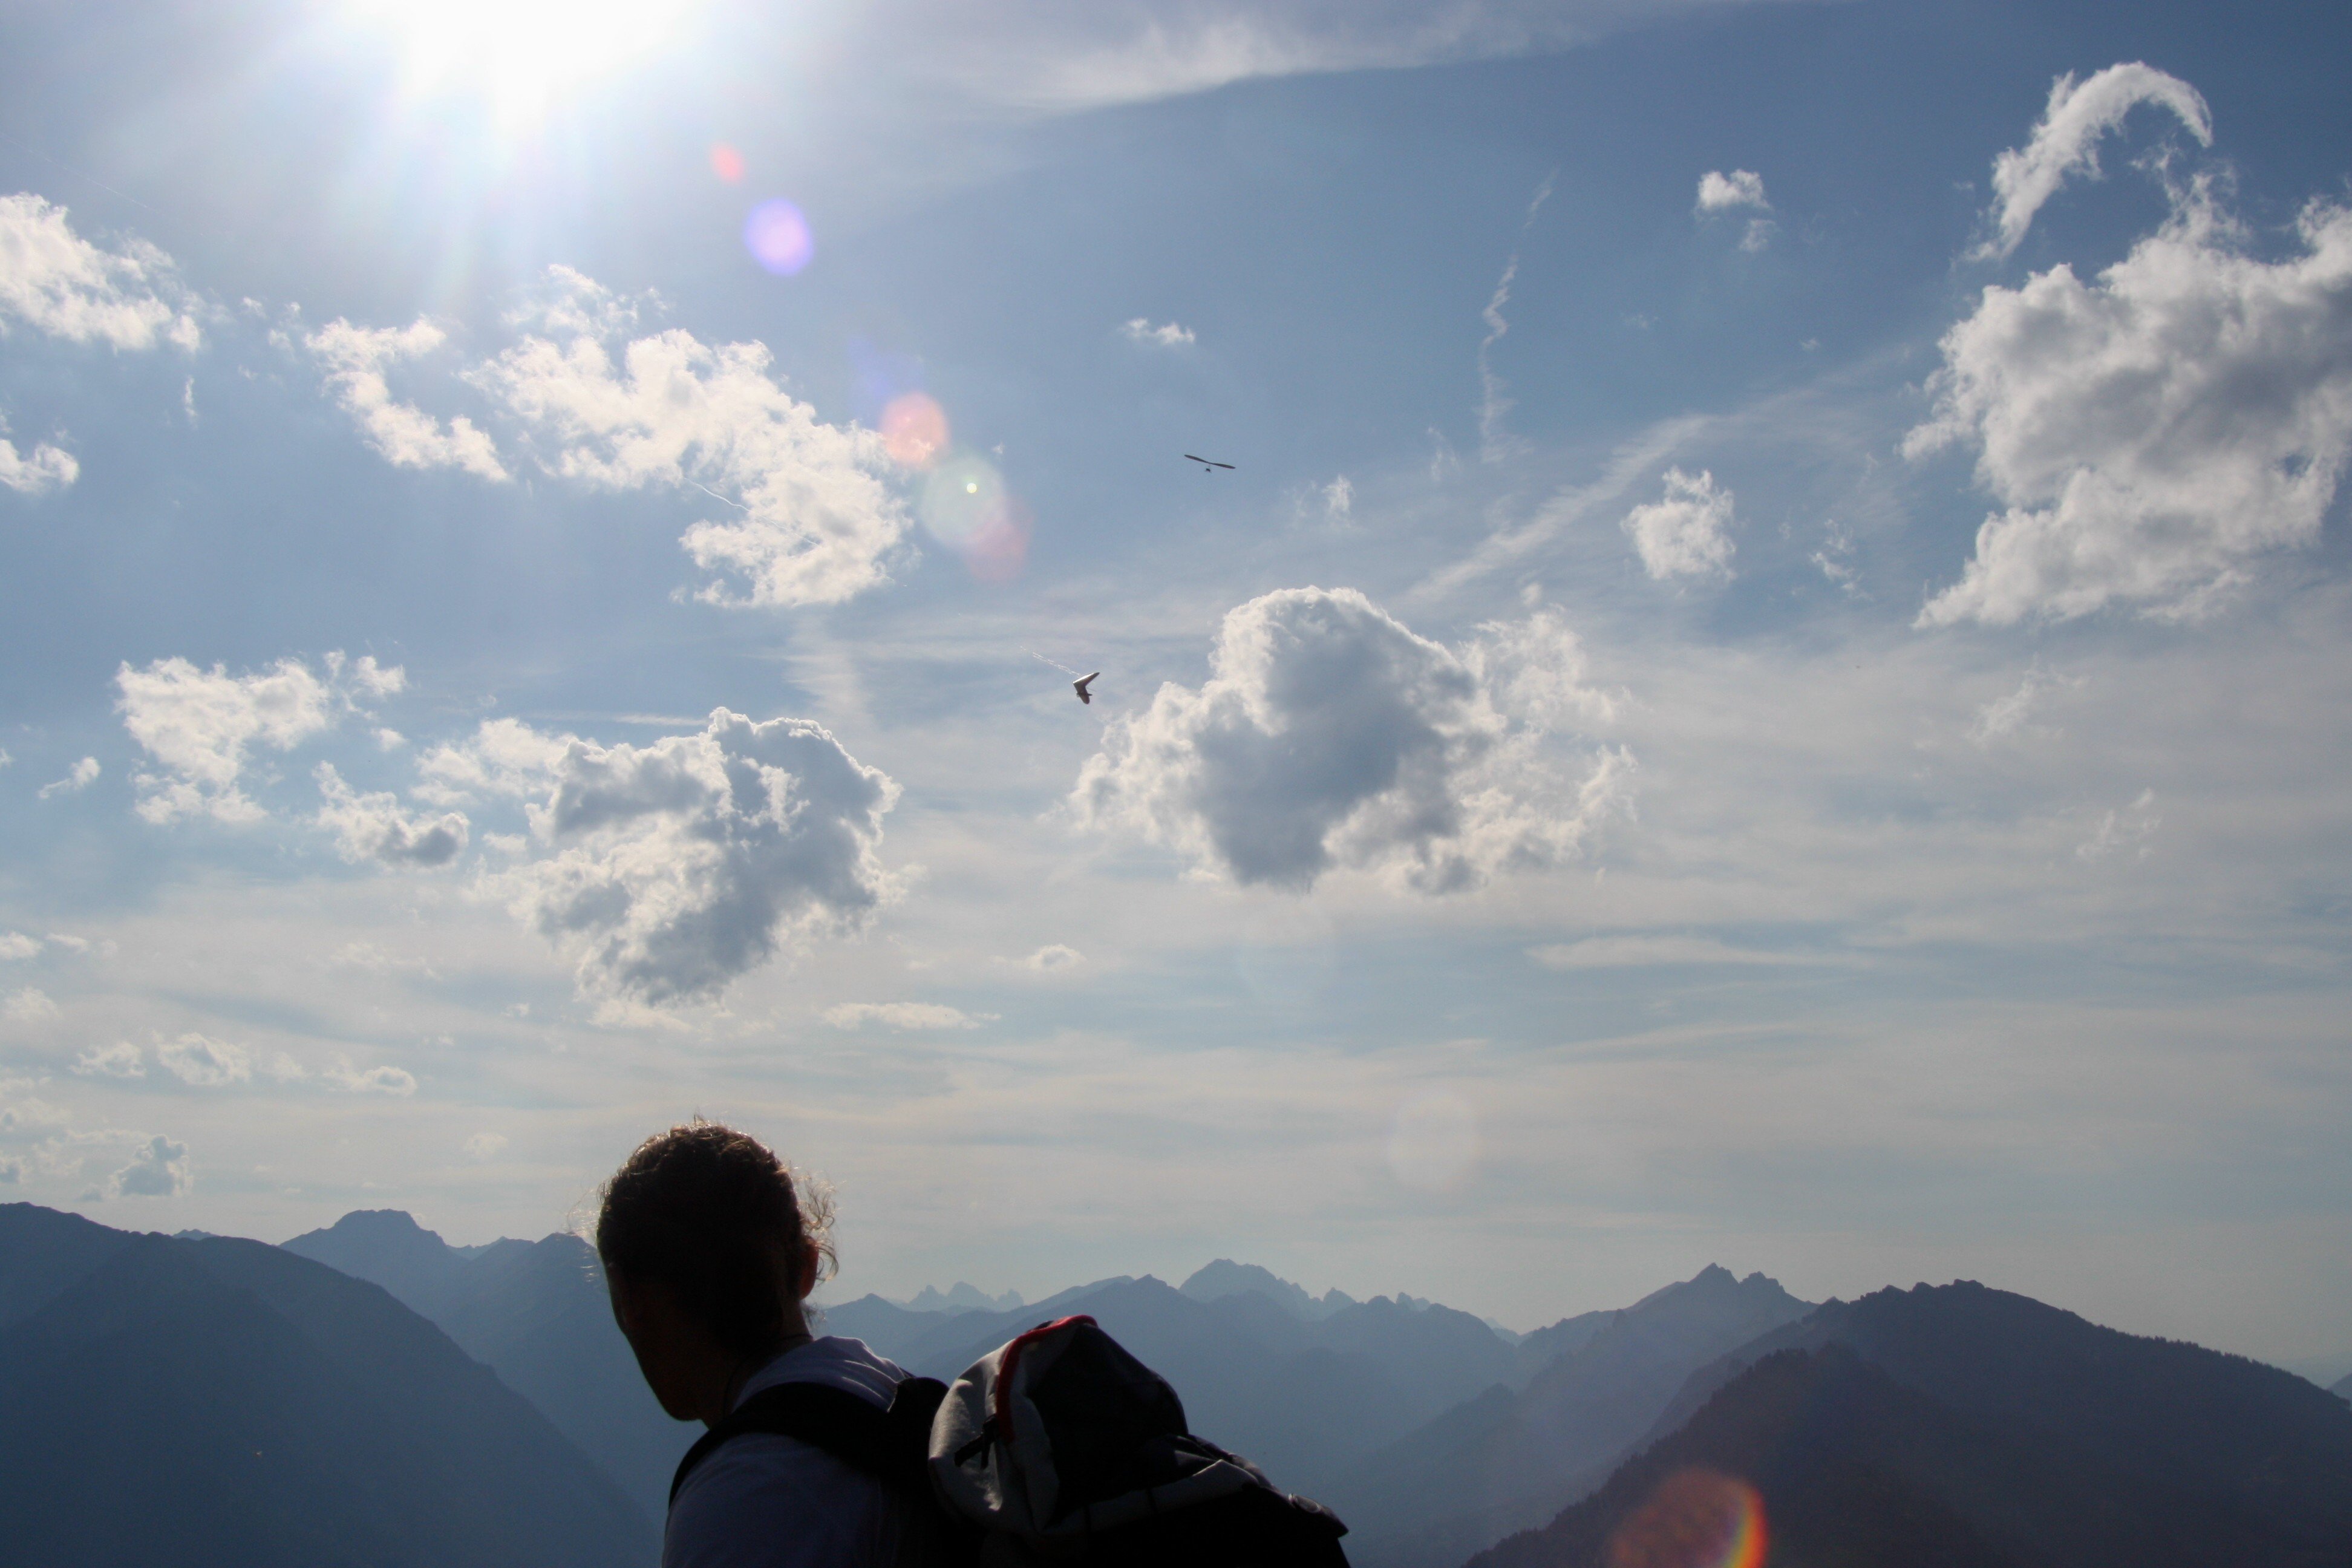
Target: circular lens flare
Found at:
x=778, y=238
x=914, y=430
x=726, y=163
x=966, y=507
x=1697, y=1519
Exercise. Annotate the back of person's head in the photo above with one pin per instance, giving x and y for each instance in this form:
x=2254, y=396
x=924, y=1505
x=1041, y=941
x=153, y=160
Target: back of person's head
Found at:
x=715, y=1215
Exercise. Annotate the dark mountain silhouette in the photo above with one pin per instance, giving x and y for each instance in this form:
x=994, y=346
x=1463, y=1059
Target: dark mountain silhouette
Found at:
x=223, y=1401
x=1508, y=1461
x=1966, y=1425
x=2264, y=1456
x=537, y=1314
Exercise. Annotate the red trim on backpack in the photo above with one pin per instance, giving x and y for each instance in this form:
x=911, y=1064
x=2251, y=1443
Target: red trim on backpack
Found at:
x=1000, y=1414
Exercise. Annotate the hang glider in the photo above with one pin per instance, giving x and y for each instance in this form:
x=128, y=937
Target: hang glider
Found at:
x=1080, y=685
x=1207, y=465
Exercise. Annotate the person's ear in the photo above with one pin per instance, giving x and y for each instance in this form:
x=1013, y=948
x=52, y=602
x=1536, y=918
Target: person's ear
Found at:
x=805, y=1275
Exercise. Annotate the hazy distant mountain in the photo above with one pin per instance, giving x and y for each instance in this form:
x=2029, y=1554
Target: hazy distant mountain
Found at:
x=1966, y=1425
x=2342, y=1387
x=221, y=1401
x=962, y=1297
x=1508, y=1461
x=1225, y=1278
x=535, y=1312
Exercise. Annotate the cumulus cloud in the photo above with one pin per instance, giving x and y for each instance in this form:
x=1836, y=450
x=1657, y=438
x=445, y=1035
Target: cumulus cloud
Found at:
x=37, y=472
x=80, y=776
x=2009, y=717
x=2153, y=431
x=159, y=1170
x=1053, y=957
x=1719, y=192
x=670, y=869
x=356, y=359
x=200, y=725
x=121, y=1059
x=1687, y=533
x=57, y=282
x=1169, y=335
x=205, y=1062
x=902, y=1016
x=15, y=944
x=2065, y=141
x=816, y=523
x=1329, y=734
x=29, y=1005
x=373, y=827
x=398, y=1082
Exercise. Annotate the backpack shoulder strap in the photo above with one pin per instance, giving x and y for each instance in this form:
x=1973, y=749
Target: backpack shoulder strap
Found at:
x=892, y=1444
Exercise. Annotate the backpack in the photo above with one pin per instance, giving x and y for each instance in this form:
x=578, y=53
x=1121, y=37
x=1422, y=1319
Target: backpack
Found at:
x=1057, y=1447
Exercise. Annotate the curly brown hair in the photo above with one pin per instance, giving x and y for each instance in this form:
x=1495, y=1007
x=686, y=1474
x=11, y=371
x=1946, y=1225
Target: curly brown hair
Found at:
x=716, y=1216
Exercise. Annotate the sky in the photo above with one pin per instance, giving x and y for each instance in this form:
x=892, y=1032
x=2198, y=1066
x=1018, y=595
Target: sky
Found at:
x=1768, y=683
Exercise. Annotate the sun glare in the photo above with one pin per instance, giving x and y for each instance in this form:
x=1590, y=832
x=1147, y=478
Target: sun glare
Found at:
x=518, y=55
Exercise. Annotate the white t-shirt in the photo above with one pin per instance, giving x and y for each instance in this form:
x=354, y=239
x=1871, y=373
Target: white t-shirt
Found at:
x=763, y=1500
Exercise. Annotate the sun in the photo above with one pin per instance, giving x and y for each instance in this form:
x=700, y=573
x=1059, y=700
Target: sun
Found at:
x=518, y=56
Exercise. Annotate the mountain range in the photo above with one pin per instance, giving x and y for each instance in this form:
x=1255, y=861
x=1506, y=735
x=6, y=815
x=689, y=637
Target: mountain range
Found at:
x=216, y=1400
x=370, y=1394
x=1966, y=1427
x=537, y=1314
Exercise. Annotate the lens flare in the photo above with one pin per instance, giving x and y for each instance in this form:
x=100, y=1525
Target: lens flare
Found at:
x=726, y=163
x=1697, y=1519
x=778, y=238
x=915, y=429
x=966, y=507
x=520, y=56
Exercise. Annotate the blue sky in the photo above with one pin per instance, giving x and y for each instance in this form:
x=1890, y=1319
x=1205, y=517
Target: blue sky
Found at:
x=1580, y=799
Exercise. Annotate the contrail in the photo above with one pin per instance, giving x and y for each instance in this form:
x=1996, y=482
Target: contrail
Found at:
x=714, y=495
x=1065, y=669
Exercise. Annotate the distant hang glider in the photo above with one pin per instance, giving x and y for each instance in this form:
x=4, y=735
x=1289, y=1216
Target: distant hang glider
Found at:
x=1080, y=685
x=1207, y=465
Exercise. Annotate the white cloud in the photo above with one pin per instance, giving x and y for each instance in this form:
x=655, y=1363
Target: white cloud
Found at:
x=159, y=1170
x=200, y=725
x=23, y=1114
x=1645, y=952
x=15, y=944
x=396, y=1081
x=205, y=1062
x=373, y=827
x=1339, y=499
x=815, y=522
x=1169, y=335
x=505, y=757
x=2065, y=141
x=121, y=1059
x=80, y=777
x=679, y=866
x=2005, y=718
x=485, y=1145
x=1068, y=54
x=2154, y=431
x=1719, y=192
x=1052, y=957
x=29, y=1005
x=356, y=359
x=902, y=1016
x=1835, y=561
x=58, y=283
x=1687, y=533
x=37, y=473
x=2123, y=831
x=1329, y=734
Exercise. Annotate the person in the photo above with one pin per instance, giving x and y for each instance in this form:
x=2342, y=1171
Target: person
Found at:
x=710, y=1248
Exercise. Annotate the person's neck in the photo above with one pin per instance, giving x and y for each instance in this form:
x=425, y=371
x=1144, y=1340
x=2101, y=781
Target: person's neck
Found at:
x=755, y=1363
